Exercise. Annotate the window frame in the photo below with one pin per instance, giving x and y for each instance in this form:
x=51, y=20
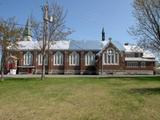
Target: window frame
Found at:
x=90, y=59
x=28, y=58
x=74, y=59
x=143, y=64
x=132, y=64
x=40, y=59
x=58, y=60
x=110, y=57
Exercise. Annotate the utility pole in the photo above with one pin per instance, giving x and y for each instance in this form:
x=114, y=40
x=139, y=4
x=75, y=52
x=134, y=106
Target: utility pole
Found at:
x=45, y=9
x=102, y=64
x=2, y=37
x=2, y=59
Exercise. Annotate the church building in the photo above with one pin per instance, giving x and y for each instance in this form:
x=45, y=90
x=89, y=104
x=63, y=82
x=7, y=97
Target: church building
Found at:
x=104, y=56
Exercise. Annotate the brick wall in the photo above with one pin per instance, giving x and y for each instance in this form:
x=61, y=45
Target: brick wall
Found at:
x=111, y=69
x=98, y=68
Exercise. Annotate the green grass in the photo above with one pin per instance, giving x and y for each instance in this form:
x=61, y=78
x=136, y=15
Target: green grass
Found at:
x=80, y=99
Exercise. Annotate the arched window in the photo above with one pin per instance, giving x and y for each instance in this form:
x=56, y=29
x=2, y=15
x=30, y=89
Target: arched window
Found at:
x=58, y=58
x=74, y=58
x=40, y=59
x=90, y=58
x=28, y=58
x=110, y=57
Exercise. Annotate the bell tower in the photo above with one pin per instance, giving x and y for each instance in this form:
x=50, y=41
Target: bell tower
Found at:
x=27, y=33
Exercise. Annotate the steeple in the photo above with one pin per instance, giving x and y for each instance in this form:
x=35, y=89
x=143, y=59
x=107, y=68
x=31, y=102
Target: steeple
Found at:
x=103, y=35
x=27, y=33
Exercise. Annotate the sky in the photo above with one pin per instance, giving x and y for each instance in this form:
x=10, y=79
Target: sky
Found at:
x=85, y=17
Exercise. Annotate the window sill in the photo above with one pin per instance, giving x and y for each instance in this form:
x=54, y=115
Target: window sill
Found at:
x=73, y=65
x=89, y=65
x=57, y=65
x=41, y=65
x=132, y=67
x=110, y=64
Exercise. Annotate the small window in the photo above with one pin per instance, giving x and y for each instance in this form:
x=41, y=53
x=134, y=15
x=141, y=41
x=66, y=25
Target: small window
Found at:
x=132, y=64
x=40, y=59
x=143, y=64
x=136, y=54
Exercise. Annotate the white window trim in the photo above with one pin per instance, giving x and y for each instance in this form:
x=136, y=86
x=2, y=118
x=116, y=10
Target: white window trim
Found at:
x=105, y=57
x=143, y=64
x=40, y=59
x=74, y=56
x=132, y=65
x=56, y=59
x=26, y=60
x=90, y=59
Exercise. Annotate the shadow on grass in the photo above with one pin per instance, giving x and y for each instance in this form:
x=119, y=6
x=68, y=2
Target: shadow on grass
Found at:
x=156, y=78
x=145, y=91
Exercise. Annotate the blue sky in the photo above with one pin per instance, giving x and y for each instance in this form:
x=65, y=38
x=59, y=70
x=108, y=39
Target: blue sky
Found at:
x=85, y=17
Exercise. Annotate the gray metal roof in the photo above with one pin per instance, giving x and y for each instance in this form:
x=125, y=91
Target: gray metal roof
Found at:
x=84, y=45
x=118, y=45
x=91, y=45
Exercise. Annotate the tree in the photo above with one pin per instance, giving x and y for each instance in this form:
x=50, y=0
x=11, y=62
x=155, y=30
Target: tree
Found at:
x=52, y=29
x=147, y=28
x=9, y=34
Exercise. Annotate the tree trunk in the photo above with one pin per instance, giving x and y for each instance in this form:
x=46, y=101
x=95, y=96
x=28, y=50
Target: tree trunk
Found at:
x=2, y=70
x=43, y=67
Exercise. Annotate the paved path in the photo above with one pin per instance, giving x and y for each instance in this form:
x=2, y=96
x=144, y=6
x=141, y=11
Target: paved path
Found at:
x=69, y=76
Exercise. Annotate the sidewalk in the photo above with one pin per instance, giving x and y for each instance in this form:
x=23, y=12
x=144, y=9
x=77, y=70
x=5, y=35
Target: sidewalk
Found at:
x=69, y=76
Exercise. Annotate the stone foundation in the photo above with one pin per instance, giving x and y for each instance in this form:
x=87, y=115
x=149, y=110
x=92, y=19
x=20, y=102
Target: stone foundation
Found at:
x=139, y=72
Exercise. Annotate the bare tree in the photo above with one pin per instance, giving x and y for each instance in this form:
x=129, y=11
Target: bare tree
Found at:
x=9, y=34
x=52, y=29
x=147, y=28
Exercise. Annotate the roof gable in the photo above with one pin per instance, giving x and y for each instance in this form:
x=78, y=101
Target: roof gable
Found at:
x=116, y=45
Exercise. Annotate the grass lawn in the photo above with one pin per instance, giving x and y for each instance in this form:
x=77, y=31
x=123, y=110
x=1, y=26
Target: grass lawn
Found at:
x=80, y=99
